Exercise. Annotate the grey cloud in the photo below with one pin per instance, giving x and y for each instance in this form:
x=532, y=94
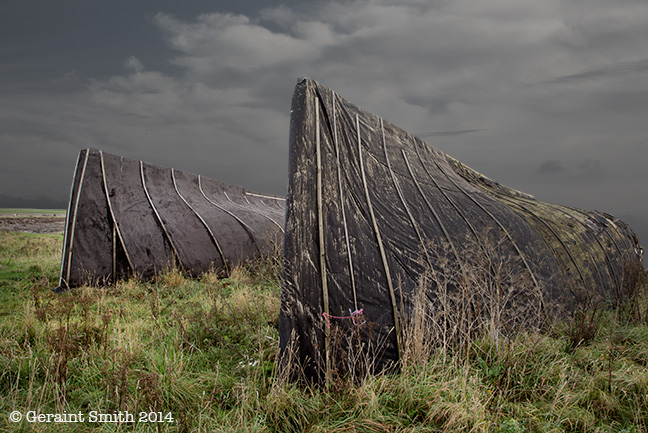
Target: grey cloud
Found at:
x=551, y=166
x=584, y=170
x=433, y=105
x=445, y=133
x=218, y=42
x=610, y=71
x=592, y=169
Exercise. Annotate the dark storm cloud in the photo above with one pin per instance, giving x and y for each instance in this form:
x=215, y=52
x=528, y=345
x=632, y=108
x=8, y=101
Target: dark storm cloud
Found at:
x=206, y=88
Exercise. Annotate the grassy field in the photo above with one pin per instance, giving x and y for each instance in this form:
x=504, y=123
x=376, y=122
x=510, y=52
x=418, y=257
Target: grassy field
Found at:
x=200, y=356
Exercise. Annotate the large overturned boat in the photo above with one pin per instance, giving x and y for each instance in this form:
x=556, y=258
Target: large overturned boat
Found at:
x=375, y=216
x=129, y=217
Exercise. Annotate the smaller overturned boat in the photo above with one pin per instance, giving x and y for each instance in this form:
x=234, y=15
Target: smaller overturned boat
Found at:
x=129, y=217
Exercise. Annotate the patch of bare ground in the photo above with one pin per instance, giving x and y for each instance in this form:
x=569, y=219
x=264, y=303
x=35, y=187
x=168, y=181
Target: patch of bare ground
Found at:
x=33, y=224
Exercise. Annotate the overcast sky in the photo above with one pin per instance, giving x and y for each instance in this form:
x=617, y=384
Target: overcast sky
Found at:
x=549, y=97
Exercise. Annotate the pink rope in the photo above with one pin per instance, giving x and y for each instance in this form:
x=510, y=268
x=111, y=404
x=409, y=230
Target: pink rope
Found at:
x=355, y=316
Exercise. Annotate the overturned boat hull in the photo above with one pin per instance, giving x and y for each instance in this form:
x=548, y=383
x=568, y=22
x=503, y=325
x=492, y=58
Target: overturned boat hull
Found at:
x=129, y=217
x=374, y=215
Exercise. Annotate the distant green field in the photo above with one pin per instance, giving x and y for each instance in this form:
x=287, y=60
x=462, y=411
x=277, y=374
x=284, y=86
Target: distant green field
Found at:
x=34, y=212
